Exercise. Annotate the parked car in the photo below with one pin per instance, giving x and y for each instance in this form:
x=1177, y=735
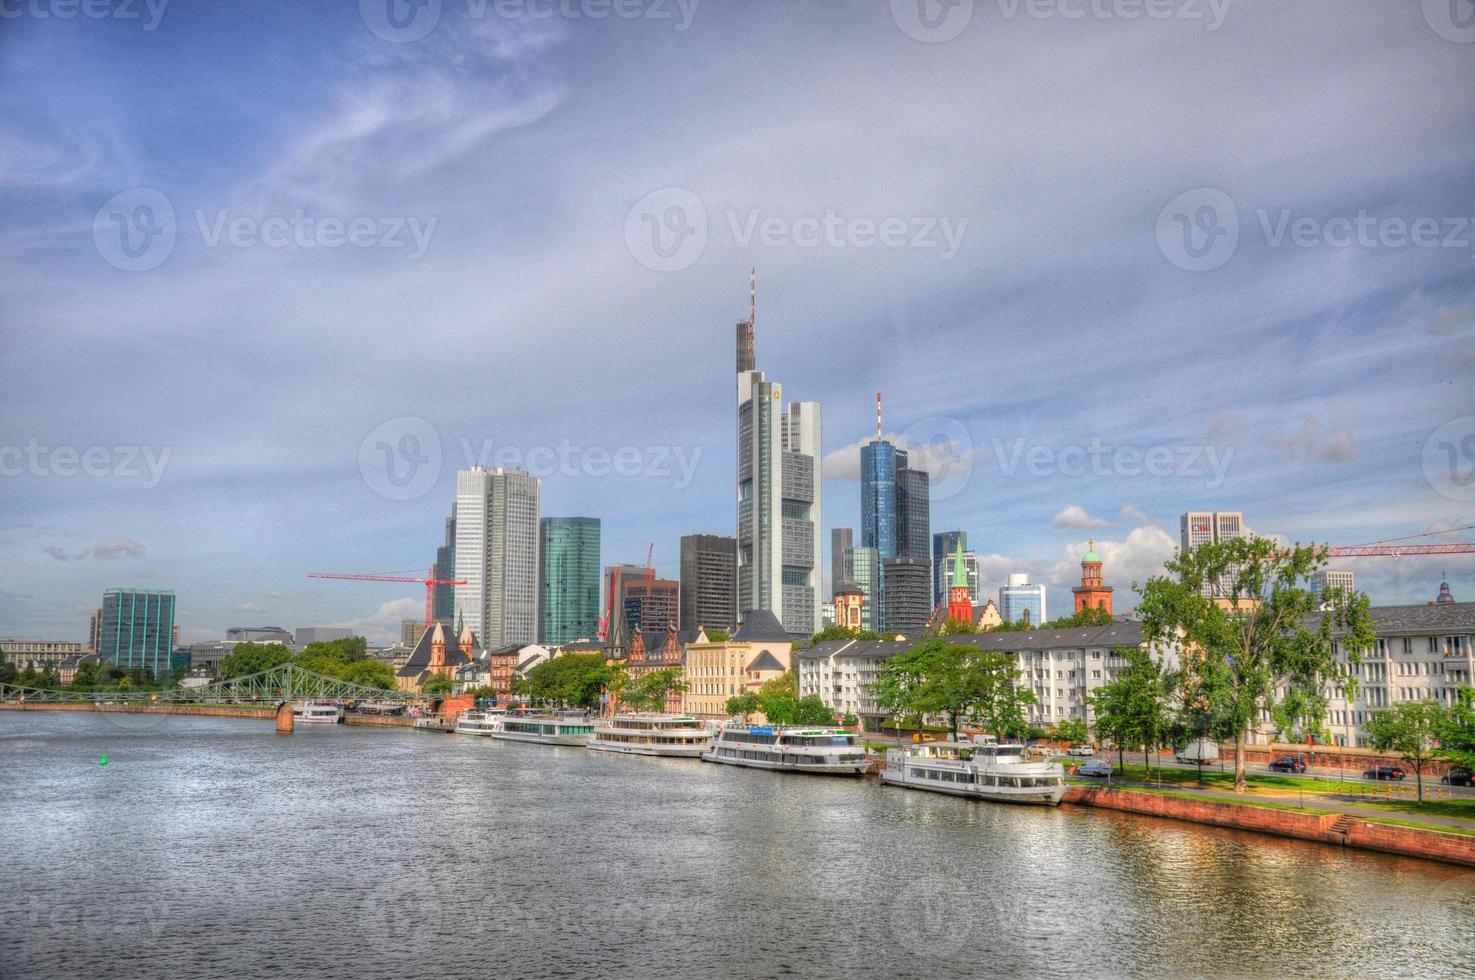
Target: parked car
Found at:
x=1457, y=777
x=1083, y=751
x=1288, y=763
x=1384, y=772
x=1094, y=767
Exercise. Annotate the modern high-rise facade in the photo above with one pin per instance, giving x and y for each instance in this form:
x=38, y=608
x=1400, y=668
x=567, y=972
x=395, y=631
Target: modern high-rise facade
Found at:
x=944, y=546
x=708, y=582
x=778, y=499
x=1325, y=579
x=497, y=539
x=443, y=597
x=137, y=628
x=906, y=594
x=568, y=580
x=865, y=571
x=1199, y=527
x=612, y=591
x=913, y=513
x=842, y=539
x=1021, y=602
x=653, y=604
x=879, y=463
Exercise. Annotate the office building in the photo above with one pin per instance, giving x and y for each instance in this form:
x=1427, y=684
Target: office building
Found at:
x=1021, y=602
x=944, y=546
x=443, y=597
x=1092, y=593
x=1324, y=579
x=306, y=635
x=94, y=631
x=652, y=604
x=568, y=580
x=497, y=538
x=906, y=595
x=758, y=652
x=259, y=634
x=778, y=498
x=409, y=632
x=865, y=571
x=879, y=462
x=708, y=582
x=842, y=539
x=1200, y=527
x=138, y=628
x=913, y=513
x=38, y=654
x=612, y=592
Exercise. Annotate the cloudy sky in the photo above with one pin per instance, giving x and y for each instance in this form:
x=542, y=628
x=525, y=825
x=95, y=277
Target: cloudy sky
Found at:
x=272, y=272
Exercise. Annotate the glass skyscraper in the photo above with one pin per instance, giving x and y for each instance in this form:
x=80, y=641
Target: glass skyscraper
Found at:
x=568, y=580
x=137, y=628
x=879, y=461
x=497, y=538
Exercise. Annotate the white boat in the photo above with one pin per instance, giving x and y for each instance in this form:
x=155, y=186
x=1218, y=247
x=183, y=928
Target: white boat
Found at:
x=318, y=713
x=679, y=736
x=824, y=751
x=561, y=729
x=984, y=770
x=479, y=722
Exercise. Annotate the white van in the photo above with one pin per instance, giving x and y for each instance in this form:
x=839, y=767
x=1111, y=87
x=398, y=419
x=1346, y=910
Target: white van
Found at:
x=1200, y=752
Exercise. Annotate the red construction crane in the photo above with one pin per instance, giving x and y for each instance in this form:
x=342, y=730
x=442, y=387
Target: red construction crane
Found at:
x=1399, y=550
x=650, y=572
x=429, y=581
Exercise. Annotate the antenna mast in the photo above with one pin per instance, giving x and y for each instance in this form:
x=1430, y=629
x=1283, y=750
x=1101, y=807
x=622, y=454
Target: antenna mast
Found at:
x=878, y=415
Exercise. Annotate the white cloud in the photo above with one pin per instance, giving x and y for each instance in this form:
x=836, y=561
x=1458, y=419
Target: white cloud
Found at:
x=1075, y=516
x=1313, y=442
x=1136, y=558
x=1138, y=516
x=942, y=459
x=382, y=626
x=106, y=551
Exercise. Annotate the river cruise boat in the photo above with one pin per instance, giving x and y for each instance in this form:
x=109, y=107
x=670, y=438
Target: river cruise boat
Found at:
x=982, y=770
x=318, y=713
x=824, y=751
x=561, y=729
x=678, y=736
x=479, y=722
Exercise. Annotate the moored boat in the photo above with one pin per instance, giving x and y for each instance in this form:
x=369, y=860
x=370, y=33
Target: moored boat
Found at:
x=318, y=712
x=561, y=729
x=678, y=736
x=983, y=770
x=479, y=722
x=794, y=748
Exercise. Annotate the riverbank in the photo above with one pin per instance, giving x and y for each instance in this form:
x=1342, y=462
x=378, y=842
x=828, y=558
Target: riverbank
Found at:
x=1347, y=829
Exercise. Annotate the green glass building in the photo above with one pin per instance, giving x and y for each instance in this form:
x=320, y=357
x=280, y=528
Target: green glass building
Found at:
x=137, y=628
x=568, y=580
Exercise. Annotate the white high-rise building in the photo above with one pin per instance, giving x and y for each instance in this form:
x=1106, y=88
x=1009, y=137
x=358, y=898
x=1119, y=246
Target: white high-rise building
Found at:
x=1199, y=527
x=778, y=498
x=1324, y=579
x=1021, y=602
x=497, y=513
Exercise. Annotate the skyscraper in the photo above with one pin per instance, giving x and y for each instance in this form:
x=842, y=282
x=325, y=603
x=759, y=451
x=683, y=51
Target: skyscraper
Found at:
x=652, y=604
x=778, y=497
x=906, y=593
x=568, y=579
x=612, y=592
x=913, y=512
x=708, y=582
x=1021, y=602
x=443, y=599
x=137, y=628
x=879, y=462
x=1199, y=527
x=842, y=539
x=497, y=554
x=1325, y=579
x=865, y=571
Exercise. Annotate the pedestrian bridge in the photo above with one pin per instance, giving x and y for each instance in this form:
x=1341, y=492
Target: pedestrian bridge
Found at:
x=287, y=682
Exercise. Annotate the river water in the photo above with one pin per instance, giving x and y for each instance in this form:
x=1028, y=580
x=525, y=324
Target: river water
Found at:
x=213, y=847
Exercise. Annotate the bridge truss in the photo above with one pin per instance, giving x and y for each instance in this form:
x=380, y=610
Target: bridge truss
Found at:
x=287, y=682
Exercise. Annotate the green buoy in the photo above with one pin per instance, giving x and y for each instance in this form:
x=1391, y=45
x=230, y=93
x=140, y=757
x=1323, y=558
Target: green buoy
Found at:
x=102, y=760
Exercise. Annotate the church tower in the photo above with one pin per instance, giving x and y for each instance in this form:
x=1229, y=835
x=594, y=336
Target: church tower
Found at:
x=1091, y=594
x=959, y=604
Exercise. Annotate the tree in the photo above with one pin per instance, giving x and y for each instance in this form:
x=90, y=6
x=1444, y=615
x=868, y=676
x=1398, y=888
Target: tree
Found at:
x=812, y=710
x=1253, y=639
x=743, y=705
x=1002, y=711
x=952, y=627
x=8, y=673
x=1071, y=731
x=843, y=633
x=718, y=636
x=575, y=680
x=1133, y=708
x=1457, y=732
x=369, y=673
x=651, y=690
x=332, y=657
x=956, y=681
x=253, y=658
x=438, y=686
x=1411, y=729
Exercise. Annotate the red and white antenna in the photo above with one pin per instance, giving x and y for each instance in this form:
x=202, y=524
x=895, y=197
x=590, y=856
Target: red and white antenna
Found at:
x=752, y=317
x=878, y=415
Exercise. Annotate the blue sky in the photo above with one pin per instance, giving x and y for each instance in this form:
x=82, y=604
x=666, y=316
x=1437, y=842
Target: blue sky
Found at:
x=505, y=176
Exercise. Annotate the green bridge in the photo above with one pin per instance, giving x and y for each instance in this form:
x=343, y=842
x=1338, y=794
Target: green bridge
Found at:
x=288, y=682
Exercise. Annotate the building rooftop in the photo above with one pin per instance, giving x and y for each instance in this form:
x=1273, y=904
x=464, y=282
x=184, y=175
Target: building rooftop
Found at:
x=761, y=626
x=765, y=661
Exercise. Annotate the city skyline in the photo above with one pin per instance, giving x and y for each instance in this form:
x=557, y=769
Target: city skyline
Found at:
x=230, y=487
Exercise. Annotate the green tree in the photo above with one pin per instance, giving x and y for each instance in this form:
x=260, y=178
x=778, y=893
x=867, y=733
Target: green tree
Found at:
x=1086, y=617
x=956, y=681
x=743, y=705
x=651, y=690
x=253, y=658
x=1457, y=732
x=1253, y=639
x=369, y=673
x=718, y=636
x=574, y=680
x=1071, y=730
x=438, y=686
x=952, y=627
x=812, y=710
x=332, y=657
x=1133, y=709
x=843, y=633
x=1411, y=729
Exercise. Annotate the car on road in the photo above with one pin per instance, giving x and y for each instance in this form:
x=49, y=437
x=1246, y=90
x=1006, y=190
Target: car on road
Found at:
x=1083, y=751
x=1457, y=777
x=1385, y=772
x=1094, y=767
x=1288, y=763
